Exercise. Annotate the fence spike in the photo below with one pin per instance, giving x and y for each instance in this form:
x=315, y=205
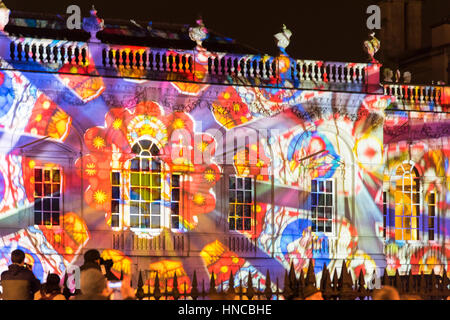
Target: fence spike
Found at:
x=346, y=284
x=231, y=283
x=397, y=282
x=310, y=275
x=325, y=283
x=268, y=289
x=212, y=284
x=194, y=289
x=157, y=291
x=250, y=291
x=175, y=291
x=140, y=289
x=385, y=278
x=361, y=285
x=301, y=285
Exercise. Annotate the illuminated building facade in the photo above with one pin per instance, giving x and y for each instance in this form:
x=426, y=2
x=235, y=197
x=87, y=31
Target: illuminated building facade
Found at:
x=170, y=152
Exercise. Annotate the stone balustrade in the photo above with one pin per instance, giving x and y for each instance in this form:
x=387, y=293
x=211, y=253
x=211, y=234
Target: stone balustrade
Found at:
x=415, y=94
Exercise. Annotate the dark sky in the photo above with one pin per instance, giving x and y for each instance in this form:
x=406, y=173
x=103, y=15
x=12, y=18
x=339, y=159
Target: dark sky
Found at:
x=322, y=29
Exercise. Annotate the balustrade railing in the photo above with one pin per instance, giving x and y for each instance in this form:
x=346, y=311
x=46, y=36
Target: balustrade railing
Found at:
x=414, y=94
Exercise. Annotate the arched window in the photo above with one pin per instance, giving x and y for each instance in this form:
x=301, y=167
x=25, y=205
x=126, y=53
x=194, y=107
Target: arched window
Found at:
x=407, y=202
x=145, y=186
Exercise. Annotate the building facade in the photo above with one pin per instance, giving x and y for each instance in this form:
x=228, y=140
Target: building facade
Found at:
x=177, y=158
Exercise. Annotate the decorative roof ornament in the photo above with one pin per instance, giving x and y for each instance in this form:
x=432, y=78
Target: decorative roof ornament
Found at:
x=199, y=33
x=283, y=38
x=372, y=46
x=4, y=15
x=93, y=24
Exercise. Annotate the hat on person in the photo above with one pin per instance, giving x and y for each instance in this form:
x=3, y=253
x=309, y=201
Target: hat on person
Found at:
x=91, y=255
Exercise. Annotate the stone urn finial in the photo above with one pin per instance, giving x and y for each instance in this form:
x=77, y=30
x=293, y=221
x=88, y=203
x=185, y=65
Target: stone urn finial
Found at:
x=93, y=24
x=198, y=33
x=372, y=46
x=4, y=15
x=283, y=38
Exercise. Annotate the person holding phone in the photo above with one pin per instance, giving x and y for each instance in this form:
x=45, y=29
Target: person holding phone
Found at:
x=19, y=282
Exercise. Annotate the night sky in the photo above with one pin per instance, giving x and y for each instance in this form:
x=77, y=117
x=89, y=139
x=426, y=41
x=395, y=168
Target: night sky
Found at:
x=322, y=30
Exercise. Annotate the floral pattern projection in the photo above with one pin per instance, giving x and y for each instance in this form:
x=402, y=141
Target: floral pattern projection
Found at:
x=343, y=131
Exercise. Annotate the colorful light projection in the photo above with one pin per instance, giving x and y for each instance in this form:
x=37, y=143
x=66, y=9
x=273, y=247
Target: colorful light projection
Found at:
x=352, y=130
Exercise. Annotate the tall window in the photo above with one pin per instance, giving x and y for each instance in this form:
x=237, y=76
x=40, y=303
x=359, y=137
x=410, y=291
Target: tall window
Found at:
x=47, y=196
x=385, y=212
x=407, y=203
x=322, y=201
x=241, y=203
x=175, y=201
x=115, y=199
x=431, y=215
x=145, y=186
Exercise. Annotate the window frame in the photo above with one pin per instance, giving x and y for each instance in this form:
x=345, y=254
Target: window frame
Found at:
x=252, y=205
x=42, y=197
x=332, y=206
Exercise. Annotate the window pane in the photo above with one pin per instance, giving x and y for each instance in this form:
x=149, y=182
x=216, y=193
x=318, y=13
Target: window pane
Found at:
x=239, y=210
x=46, y=204
x=55, y=204
x=175, y=209
x=156, y=207
x=134, y=194
x=47, y=218
x=154, y=150
x=115, y=178
x=329, y=198
x=321, y=199
x=239, y=183
x=134, y=207
x=134, y=221
x=38, y=218
x=247, y=224
x=115, y=221
x=145, y=165
x=136, y=148
x=314, y=186
x=145, y=222
x=175, y=180
x=329, y=186
x=247, y=211
x=37, y=205
x=56, y=190
x=321, y=186
x=232, y=224
x=175, y=222
x=232, y=197
x=175, y=194
x=156, y=180
x=328, y=226
x=135, y=179
x=115, y=206
x=145, y=208
x=156, y=194
x=321, y=212
x=145, y=194
x=47, y=175
x=155, y=222
x=47, y=189
x=115, y=194
x=156, y=166
x=135, y=164
x=328, y=213
x=55, y=218
x=38, y=189
x=314, y=199
x=248, y=197
x=232, y=180
x=37, y=175
x=145, y=144
x=239, y=223
x=248, y=183
x=145, y=180
x=56, y=176
x=240, y=196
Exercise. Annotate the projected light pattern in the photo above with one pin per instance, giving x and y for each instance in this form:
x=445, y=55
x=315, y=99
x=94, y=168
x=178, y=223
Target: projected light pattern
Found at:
x=168, y=144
